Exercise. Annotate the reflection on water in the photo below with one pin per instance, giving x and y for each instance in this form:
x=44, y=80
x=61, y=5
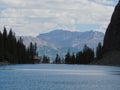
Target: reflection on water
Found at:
x=59, y=77
x=114, y=72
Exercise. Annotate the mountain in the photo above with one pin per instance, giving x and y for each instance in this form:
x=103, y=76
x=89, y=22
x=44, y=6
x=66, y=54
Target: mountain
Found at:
x=112, y=35
x=63, y=38
x=111, y=45
x=59, y=41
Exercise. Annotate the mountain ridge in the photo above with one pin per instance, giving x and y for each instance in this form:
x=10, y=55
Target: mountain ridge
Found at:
x=65, y=38
x=74, y=41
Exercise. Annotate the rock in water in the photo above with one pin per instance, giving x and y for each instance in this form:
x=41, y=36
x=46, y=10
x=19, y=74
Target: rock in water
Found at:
x=112, y=35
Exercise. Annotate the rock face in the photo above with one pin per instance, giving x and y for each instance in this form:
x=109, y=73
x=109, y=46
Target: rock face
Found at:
x=110, y=58
x=111, y=44
x=112, y=36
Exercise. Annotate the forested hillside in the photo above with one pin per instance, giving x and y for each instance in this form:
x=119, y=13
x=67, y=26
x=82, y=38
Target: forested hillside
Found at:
x=14, y=51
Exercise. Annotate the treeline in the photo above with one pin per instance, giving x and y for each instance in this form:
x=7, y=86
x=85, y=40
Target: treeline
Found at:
x=14, y=51
x=86, y=56
x=45, y=59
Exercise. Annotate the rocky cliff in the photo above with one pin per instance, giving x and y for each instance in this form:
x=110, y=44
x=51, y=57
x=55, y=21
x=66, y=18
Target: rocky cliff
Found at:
x=112, y=36
x=111, y=44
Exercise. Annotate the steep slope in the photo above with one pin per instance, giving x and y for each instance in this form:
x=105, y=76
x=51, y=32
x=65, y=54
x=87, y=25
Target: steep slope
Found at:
x=112, y=36
x=111, y=44
x=77, y=40
x=110, y=58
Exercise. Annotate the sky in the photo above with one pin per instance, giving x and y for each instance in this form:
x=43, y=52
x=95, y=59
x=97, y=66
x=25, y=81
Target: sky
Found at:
x=32, y=17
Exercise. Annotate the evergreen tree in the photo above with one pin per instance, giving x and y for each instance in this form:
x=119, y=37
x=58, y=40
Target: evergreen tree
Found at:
x=21, y=52
x=73, y=59
x=12, y=47
x=32, y=52
x=99, y=53
x=35, y=49
x=1, y=47
x=5, y=39
x=67, y=58
x=88, y=55
x=46, y=60
x=57, y=59
x=14, y=51
x=79, y=58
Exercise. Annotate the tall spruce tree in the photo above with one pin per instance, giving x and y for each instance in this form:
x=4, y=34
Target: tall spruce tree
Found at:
x=79, y=58
x=67, y=58
x=57, y=59
x=46, y=60
x=14, y=51
x=73, y=59
x=1, y=47
x=5, y=39
x=99, y=51
x=88, y=55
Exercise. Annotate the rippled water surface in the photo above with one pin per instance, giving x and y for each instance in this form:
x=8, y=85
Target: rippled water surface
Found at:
x=59, y=77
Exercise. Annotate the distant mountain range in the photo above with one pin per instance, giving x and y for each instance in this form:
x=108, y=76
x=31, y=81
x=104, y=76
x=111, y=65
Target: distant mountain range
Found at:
x=59, y=41
x=77, y=40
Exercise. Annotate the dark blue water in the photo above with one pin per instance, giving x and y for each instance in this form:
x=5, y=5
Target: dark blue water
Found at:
x=59, y=77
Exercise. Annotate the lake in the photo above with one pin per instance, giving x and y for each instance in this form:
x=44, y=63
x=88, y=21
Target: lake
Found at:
x=59, y=77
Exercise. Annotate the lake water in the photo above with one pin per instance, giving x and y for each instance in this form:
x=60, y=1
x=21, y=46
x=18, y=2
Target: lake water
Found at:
x=59, y=77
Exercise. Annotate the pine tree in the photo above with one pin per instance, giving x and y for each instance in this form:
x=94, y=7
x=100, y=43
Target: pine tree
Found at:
x=73, y=59
x=88, y=55
x=21, y=51
x=67, y=58
x=1, y=47
x=12, y=47
x=99, y=53
x=57, y=59
x=14, y=51
x=46, y=60
x=79, y=58
x=5, y=39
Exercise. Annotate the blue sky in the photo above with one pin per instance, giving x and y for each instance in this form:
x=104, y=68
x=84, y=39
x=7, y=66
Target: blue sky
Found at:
x=31, y=17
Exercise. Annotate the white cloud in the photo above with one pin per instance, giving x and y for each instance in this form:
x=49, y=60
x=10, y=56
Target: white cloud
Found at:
x=31, y=17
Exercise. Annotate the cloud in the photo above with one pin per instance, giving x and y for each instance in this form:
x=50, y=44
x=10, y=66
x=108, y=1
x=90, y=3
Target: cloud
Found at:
x=31, y=17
